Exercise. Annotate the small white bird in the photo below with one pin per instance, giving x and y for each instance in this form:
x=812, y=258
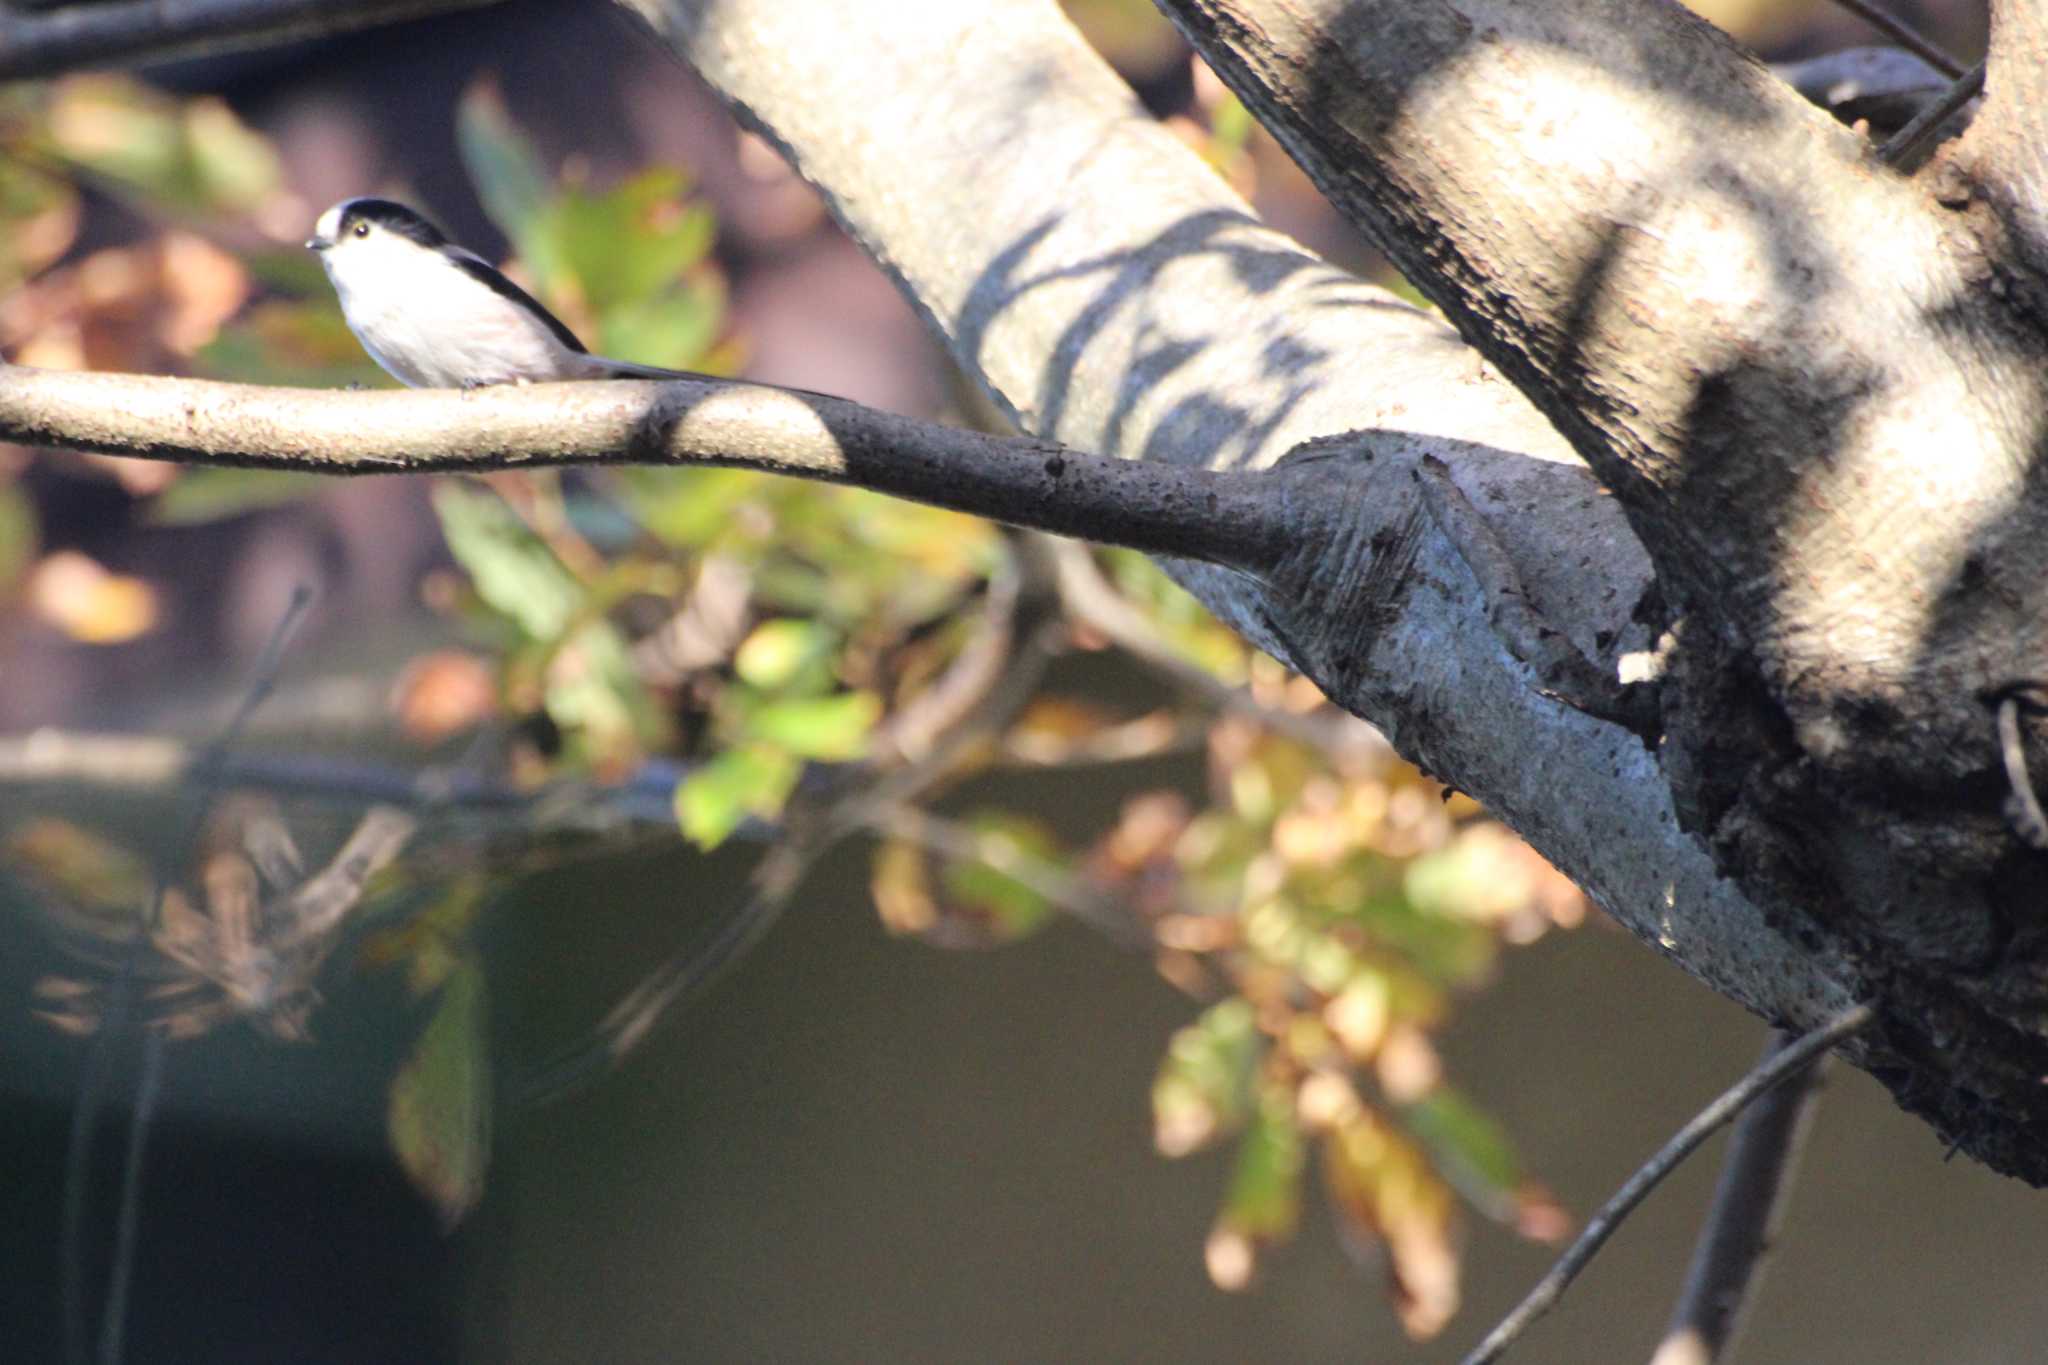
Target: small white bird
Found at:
x=438, y=317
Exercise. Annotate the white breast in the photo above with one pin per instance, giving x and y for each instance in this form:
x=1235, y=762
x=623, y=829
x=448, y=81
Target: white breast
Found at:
x=430, y=325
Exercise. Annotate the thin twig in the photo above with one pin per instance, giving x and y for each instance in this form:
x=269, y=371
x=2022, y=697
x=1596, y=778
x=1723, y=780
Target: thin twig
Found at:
x=1911, y=140
x=1220, y=517
x=1081, y=900
x=85, y=1108
x=1742, y=1223
x=1602, y=1225
x=1905, y=35
x=85, y=1105
x=75, y=35
x=128, y=1214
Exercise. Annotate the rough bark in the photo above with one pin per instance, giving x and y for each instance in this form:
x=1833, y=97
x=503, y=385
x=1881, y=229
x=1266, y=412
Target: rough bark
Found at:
x=1111, y=293
x=1799, y=371
x=1224, y=518
x=1812, y=383
x=1815, y=387
x=48, y=42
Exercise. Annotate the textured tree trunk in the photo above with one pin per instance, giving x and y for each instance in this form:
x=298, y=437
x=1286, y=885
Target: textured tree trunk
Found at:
x=1812, y=384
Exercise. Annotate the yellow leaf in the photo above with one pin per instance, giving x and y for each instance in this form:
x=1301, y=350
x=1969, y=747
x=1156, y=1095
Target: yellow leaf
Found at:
x=80, y=598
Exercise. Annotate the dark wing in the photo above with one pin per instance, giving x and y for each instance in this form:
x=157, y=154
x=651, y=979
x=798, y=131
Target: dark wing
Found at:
x=484, y=273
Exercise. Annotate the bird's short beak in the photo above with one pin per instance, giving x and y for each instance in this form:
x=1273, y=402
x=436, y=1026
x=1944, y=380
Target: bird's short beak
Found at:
x=317, y=243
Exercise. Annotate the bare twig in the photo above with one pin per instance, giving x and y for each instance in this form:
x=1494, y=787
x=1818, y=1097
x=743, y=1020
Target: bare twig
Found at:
x=1749, y=1202
x=679, y=976
x=1905, y=35
x=1082, y=901
x=909, y=734
x=128, y=1220
x=148, y=763
x=1764, y=1076
x=1221, y=518
x=85, y=1106
x=1147, y=736
x=1907, y=144
x=56, y=40
x=1879, y=88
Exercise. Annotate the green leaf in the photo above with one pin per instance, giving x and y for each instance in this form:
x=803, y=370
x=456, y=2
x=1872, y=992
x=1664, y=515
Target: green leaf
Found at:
x=1203, y=1089
x=201, y=495
x=513, y=570
x=983, y=884
x=17, y=533
x=234, y=166
x=834, y=729
x=1470, y=1149
x=439, y=1114
x=624, y=244
x=120, y=129
x=302, y=343
x=87, y=872
x=672, y=327
x=1230, y=125
x=39, y=217
x=691, y=509
x=294, y=271
x=777, y=651
x=193, y=155
x=1264, y=1199
x=754, y=779
x=509, y=180
x=601, y=703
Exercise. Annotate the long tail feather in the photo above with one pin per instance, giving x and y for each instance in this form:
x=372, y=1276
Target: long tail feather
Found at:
x=626, y=369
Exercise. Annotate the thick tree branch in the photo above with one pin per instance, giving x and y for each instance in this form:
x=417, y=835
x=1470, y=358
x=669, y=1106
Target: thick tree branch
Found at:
x=49, y=41
x=1110, y=292
x=1221, y=518
x=2005, y=152
x=1814, y=385
x=1678, y=260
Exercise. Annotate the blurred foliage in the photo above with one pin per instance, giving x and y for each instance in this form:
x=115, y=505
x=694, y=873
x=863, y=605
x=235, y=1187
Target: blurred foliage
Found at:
x=440, y=1105
x=780, y=643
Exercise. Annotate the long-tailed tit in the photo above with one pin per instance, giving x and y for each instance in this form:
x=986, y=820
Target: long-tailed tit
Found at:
x=437, y=316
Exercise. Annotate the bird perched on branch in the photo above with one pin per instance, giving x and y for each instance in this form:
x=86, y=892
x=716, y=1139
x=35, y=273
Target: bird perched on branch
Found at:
x=437, y=316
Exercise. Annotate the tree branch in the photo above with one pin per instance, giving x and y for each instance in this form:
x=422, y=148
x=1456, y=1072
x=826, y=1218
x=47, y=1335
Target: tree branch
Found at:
x=1776, y=1068
x=1905, y=35
x=1879, y=87
x=1770, y=347
x=1109, y=291
x=1193, y=513
x=1905, y=146
x=1749, y=1202
x=50, y=41
x=1582, y=194
x=2004, y=156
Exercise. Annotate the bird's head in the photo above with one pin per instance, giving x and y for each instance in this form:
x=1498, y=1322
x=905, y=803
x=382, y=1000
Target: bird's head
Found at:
x=360, y=232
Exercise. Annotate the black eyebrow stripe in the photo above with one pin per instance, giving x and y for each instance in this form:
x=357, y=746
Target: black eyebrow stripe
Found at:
x=494, y=279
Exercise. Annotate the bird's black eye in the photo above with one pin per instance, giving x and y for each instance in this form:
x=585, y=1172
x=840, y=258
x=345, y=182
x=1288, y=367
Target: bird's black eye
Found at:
x=362, y=229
